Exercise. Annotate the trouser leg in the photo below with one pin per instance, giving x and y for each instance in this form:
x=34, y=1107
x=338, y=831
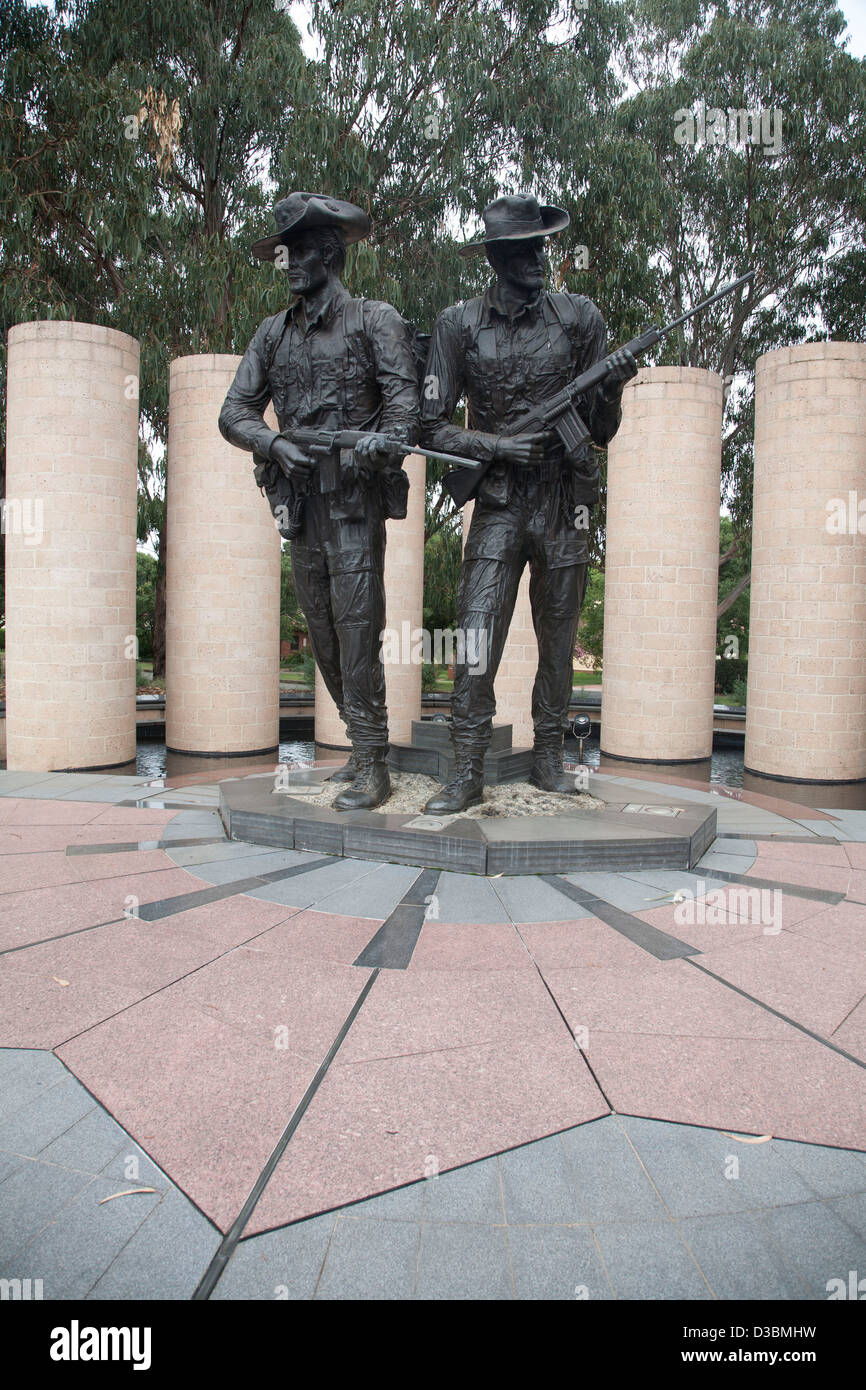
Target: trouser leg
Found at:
x=555, y=596
x=485, y=604
x=313, y=592
x=358, y=606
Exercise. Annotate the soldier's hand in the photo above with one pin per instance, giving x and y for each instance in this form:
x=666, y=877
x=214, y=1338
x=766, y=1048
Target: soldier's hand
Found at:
x=522, y=449
x=370, y=444
x=291, y=459
x=622, y=368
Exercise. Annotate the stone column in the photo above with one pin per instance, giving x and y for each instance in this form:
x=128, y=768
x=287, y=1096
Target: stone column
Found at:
x=806, y=710
x=404, y=595
x=222, y=576
x=661, y=568
x=70, y=522
x=516, y=675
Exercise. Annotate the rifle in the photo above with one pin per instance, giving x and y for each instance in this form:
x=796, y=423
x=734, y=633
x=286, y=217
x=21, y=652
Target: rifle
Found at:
x=328, y=447
x=559, y=413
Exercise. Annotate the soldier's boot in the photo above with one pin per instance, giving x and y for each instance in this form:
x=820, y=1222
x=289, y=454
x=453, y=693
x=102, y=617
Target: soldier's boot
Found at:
x=465, y=788
x=347, y=773
x=371, y=786
x=547, y=772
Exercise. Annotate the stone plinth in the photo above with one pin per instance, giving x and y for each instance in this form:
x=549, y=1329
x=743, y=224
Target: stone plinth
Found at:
x=222, y=576
x=70, y=522
x=806, y=710
x=661, y=568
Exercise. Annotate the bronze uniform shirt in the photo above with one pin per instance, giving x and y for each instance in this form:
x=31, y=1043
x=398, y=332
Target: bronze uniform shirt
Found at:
x=318, y=378
x=506, y=366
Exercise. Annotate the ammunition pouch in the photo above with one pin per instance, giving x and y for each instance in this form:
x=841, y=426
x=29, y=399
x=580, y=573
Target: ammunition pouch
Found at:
x=395, y=493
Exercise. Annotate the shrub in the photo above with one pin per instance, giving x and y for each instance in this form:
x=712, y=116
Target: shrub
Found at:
x=428, y=676
x=729, y=670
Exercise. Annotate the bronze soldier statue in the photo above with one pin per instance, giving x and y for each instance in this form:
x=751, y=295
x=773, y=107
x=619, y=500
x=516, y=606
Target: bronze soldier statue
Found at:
x=332, y=363
x=507, y=352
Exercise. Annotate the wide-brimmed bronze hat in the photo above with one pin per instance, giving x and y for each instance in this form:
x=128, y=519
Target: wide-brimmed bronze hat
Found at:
x=515, y=216
x=299, y=211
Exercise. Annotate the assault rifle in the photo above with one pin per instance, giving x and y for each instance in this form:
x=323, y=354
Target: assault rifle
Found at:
x=328, y=446
x=559, y=415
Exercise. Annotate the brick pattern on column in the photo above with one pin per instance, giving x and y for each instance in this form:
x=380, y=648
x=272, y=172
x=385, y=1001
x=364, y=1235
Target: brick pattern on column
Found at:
x=661, y=567
x=71, y=454
x=222, y=575
x=806, y=710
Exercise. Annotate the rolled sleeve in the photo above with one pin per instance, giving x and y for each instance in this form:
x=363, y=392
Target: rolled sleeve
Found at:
x=603, y=417
x=444, y=384
x=397, y=378
x=241, y=419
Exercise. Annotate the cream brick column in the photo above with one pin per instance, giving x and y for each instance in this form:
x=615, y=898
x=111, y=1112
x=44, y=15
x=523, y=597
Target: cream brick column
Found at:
x=404, y=600
x=70, y=520
x=404, y=597
x=517, y=669
x=661, y=568
x=222, y=578
x=806, y=710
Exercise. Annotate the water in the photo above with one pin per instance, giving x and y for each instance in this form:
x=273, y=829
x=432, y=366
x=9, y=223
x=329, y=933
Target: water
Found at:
x=726, y=764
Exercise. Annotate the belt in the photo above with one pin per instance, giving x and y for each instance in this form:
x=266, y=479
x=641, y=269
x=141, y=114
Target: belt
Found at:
x=537, y=473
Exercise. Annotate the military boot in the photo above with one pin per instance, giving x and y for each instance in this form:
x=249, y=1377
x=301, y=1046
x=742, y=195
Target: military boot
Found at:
x=371, y=786
x=547, y=771
x=347, y=773
x=464, y=789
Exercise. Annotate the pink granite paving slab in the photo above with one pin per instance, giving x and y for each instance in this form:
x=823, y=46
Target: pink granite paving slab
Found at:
x=34, y=811
x=52, y=868
x=857, y=886
x=706, y=935
x=802, y=871
x=461, y=946
x=8, y=805
x=428, y=1011
x=843, y=928
x=318, y=936
x=37, y=913
x=670, y=998
x=587, y=944
x=194, y=1073
x=808, y=981
x=792, y=1087
x=380, y=1124
x=804, y=853
x=37, y=839
x=856, y=853
x=851, y=1034
x=54, y=991
x=232, y=921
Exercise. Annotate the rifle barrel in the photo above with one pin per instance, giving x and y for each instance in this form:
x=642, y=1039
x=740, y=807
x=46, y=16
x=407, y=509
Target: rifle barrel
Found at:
x=726, y=289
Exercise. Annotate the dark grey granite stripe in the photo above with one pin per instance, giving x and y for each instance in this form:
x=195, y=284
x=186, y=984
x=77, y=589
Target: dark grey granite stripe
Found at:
x=167, y=907
x=392, y=946
x=658, y=943
x=768, y=1008
x=126, y=846
x=796, y=890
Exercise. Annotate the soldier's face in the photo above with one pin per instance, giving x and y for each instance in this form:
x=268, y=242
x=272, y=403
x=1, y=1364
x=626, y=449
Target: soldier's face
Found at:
x=521, y=263
x=305, y=268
